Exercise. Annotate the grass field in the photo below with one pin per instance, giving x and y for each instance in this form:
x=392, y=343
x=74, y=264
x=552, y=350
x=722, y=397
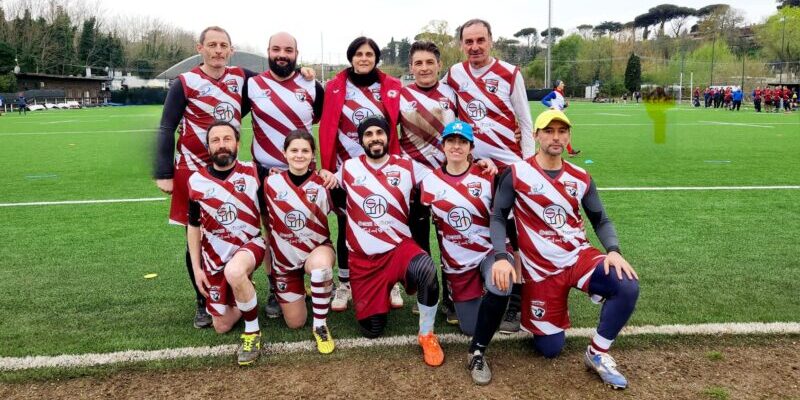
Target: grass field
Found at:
x=71, y=276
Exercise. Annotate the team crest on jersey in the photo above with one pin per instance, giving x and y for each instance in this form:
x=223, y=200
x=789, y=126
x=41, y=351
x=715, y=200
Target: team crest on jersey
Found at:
x=459, y=218
x=491, y=85
x=538, y=312
x=474, y=188
x=281, y=286
x=226, y=214
x=239, y=185
x=311, y=195
x=213, y=293
x=376, y=94
x=232, y=85
x=444, y=102
x=393, y=178
x=300, y=94
x=571, y=187
x=295, y=220
x=392, y=93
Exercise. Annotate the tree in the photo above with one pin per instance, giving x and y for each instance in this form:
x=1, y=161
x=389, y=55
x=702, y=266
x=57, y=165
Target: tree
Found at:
x=607, y=27
x=507, y=49
x=389, y=53
x=438, y=32
x=788, y=3
x=87, y=44
x=633, y=73
x=645, y=21
x=564, y=54
x=403, y=47
x=6, y=58
x=557, y=33
x=585, y=30
x=528, y=34
x=774, y=33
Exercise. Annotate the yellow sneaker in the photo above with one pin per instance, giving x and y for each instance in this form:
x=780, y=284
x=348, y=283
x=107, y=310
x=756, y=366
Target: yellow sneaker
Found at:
x=324, y=340
x=250, y=349
x=431, y=350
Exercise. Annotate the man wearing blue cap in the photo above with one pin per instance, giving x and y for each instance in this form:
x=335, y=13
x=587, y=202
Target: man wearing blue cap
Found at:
x=546, y=194
x=460, y=196
x=557, y=101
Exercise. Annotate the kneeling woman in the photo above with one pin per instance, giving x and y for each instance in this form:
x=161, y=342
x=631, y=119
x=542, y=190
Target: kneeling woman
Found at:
x=298, y=205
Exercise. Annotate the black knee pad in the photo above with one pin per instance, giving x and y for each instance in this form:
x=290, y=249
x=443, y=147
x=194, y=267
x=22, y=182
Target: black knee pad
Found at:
x=373, y=326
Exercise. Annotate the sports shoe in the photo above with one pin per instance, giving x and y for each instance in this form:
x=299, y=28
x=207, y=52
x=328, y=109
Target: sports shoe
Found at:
x=449, y=311
x=415, y=308
x=510, y=323
x=606, y=367
x=574, y=153
x=431, y=350
x=324, y=339
x=250, y=348
x=201, y=317
x=341, y=296
x=272, y=309
x=479, y=368
x=395, y=297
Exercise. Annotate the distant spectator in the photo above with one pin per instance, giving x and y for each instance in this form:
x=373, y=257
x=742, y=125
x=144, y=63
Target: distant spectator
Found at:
x=757, y=99
x=696, y=97
x=736, y=97
x=22, y=104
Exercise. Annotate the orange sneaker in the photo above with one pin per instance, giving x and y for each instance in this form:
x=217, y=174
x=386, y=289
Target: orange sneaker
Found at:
x=431, y=351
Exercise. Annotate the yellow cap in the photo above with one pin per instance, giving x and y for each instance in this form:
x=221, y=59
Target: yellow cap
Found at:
x=548, y=116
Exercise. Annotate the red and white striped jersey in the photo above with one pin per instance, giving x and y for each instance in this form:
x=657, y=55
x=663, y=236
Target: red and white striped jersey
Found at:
x=229, y=213
x=423, y=116
x=278, y=107
x=550, y=228
x=298, y=219
x=485, y=102
x=208, y=100
x=359, y=103
x=461, y=208
x=378, y=202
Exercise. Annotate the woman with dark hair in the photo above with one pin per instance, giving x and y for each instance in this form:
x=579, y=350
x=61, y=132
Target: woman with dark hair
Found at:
x=354, y=94
x=297, y=205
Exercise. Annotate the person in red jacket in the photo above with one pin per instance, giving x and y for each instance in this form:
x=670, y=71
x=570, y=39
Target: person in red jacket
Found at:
x=355, y=94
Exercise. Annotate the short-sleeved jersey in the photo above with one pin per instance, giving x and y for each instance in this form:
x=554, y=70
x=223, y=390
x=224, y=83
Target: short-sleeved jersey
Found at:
x=298, y=219
x=461, y=209
x=229, y=213
x=278, y=107
x=550, y=228
x=208, y=100
x=423, y=116
x=378, y=202
x=359, y=103
x=485, y=102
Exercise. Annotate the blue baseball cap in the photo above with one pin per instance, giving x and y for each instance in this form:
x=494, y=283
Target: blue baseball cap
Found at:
x=458, y=127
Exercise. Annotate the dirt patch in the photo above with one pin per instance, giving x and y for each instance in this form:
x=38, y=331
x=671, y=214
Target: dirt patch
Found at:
x=714, y=369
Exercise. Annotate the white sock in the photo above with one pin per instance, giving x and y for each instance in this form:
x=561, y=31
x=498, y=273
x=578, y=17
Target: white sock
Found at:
x=427, y=316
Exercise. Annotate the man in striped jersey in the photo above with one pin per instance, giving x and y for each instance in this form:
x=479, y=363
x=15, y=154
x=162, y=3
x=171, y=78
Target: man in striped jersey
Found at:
x=426, y=106
x=224, y=237
x=546, y=194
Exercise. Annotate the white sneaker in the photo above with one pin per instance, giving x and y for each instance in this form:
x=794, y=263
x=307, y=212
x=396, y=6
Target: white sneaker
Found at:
x=341, y=296
x=395, y=297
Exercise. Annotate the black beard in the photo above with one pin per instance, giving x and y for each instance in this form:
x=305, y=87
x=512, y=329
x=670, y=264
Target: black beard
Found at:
x=224, y=157
x=282, y=72
x=374, y=155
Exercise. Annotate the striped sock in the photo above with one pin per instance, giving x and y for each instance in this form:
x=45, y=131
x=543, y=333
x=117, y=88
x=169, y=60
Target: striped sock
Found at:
x=599, y=344
x=249, y=311
x=321, y=285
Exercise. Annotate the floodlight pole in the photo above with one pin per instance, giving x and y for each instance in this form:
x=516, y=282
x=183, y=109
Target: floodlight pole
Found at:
x=783, y=37
x=547, y=77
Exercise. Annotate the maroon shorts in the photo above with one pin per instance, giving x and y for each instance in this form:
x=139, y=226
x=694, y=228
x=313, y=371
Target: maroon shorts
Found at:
x=220, y=293
x=465, y=286
x=290, y=286
x=544, y=304
x=179, y=207
x=372, y=277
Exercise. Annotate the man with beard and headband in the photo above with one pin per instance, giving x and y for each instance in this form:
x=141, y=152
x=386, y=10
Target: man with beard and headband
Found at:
x=211, y=91
x=224, y=237
x=382, y=252
x=282, y=101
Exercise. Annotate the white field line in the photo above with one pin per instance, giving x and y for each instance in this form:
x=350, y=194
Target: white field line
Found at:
x=737, y=124
x=613, y=115
x=58, y=203
x=611, y=189
x=75, y=132
x=94, y=359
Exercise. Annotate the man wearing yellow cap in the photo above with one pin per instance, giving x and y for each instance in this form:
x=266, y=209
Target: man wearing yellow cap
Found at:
x=546, y=194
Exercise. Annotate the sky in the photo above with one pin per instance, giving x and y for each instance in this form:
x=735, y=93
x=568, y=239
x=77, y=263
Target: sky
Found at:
x=327, y=27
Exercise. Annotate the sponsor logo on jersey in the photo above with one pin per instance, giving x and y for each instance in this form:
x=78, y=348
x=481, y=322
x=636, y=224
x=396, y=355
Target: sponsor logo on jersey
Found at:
x=444, y=103
x=571, y=187
x=459, y=218
x=267, y=92
x=300, y=94
x=232, y=85
x=463, y=87
x=393, y=178
x=281, y=196
x=491, y=85
x=410, y=106
x=224, y=112
x=360, y=181
x=538, y=189
x=474, y=188
x=226, y=214
x=476, y=110
x=205, y=90
x=440, y=195
x=295, y=220
x=375, y=206
x=555, y=215
x=361, y=114
x=209, y=193
x=311, y=195
x=239, y=185
x=392, y=93
x=350, y=95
